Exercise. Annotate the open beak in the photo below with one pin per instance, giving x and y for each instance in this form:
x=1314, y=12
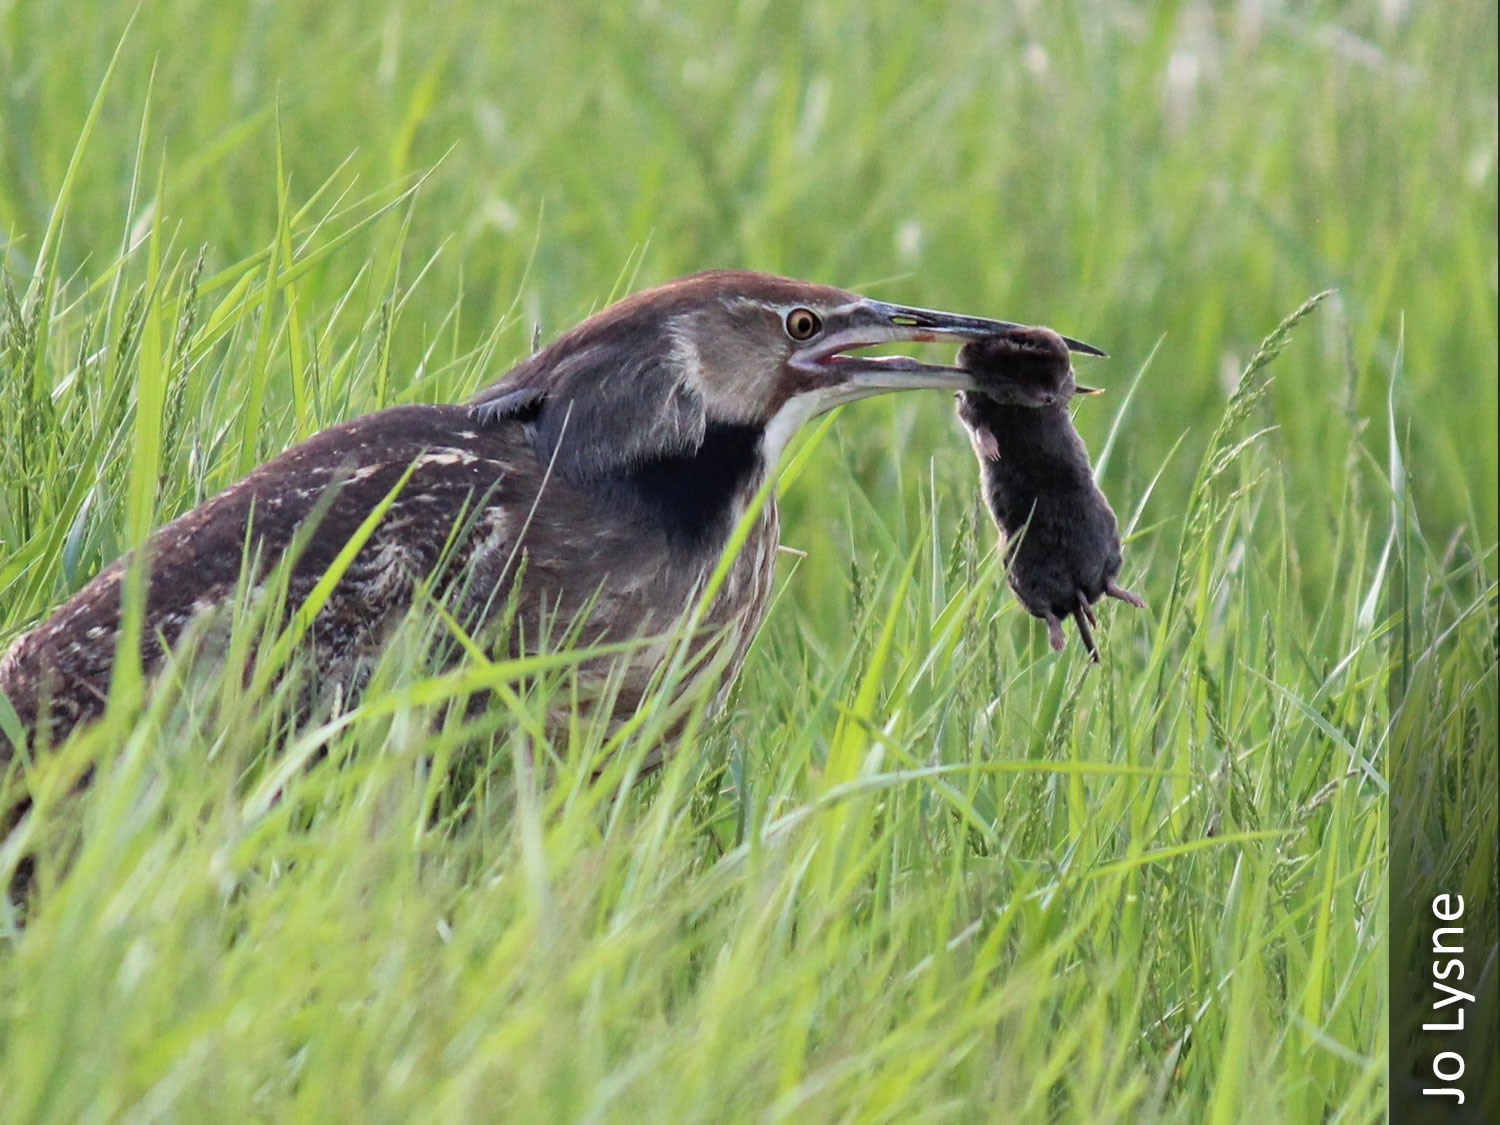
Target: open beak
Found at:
x=866, y=324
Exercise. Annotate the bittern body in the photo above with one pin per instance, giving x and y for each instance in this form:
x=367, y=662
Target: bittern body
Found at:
x=594, y=487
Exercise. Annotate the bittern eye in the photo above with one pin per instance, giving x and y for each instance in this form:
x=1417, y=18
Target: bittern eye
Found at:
x=803, y=324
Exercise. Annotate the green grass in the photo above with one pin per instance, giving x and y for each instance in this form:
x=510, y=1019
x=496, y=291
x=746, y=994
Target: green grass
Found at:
x=921, y=868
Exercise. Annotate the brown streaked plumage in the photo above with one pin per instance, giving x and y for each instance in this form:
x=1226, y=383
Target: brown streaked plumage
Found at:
x=1063, y=543
x=652, y=425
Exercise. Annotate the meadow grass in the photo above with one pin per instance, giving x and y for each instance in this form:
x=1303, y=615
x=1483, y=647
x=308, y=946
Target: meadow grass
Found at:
x=919, y=867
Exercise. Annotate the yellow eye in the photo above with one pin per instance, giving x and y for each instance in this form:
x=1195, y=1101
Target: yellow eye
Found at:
x=802, y=324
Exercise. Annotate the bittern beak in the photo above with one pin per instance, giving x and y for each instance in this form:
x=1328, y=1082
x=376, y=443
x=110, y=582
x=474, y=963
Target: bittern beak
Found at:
x=865, y=324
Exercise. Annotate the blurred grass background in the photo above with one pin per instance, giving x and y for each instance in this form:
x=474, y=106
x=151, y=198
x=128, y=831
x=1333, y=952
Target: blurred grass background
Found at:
x=286, y=214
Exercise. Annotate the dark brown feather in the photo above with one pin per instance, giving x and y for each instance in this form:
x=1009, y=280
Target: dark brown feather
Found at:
x=636, y=574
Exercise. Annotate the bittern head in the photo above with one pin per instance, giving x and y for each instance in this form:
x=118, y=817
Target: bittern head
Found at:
x=652, y=374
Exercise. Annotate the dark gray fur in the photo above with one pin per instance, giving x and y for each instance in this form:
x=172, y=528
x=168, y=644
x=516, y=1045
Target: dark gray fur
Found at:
x=1062, y=539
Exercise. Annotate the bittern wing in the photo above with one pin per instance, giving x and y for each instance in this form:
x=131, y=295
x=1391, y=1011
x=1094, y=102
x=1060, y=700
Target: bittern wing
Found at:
x=463, y=487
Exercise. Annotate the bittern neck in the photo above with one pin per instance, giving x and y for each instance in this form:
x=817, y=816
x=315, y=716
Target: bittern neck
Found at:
x=695, y=497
